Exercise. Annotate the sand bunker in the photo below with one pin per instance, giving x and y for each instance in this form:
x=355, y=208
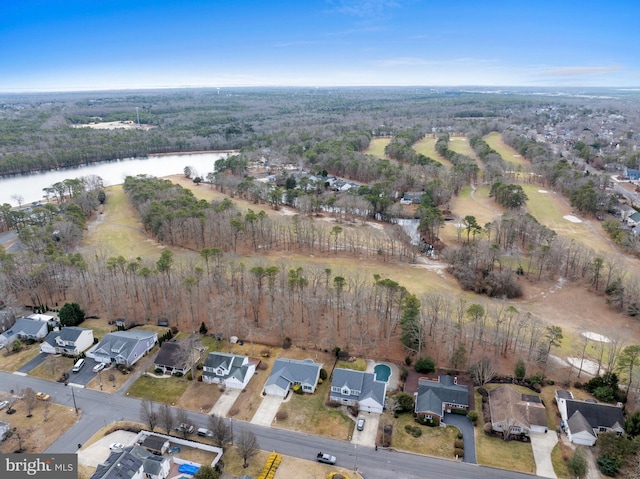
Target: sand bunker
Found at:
x=572, y=218
x=543, y=191
x=596, y=337
x=588, y=366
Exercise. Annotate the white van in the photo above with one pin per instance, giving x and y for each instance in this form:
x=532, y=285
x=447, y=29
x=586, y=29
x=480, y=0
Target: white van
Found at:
x=78, y=365
x=204, y=432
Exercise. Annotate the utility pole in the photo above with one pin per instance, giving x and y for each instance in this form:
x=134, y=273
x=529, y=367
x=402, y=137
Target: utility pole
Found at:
x=74, y=400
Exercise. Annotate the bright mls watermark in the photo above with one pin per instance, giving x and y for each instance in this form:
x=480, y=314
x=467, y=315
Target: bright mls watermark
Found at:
x=45, y=466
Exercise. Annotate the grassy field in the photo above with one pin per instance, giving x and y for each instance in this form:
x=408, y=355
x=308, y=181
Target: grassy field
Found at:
x=46, y=416
x=427, y=146
x=377, y=146
x=166, y=390
x=11, y=361
x=307, y=413
x=460, y=144
x=434, y=441
x=508, y=154
x=359, y=364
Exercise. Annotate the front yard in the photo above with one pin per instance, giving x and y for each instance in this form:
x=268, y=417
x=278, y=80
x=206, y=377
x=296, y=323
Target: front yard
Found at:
x=308, y=413
x=434, y=441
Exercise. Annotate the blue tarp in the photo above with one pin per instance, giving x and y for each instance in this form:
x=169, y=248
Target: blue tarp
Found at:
x=188, y=469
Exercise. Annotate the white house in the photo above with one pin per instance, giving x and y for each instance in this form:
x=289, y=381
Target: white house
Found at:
x=133, y=462
x=70, y=340
x=234, y=371
x=287, y=373
x=351, y=387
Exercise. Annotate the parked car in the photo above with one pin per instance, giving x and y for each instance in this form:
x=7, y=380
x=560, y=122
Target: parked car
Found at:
x=326, y=458
x=204, y=432
x=116, y=446
x=360, y=425
x=3, y=405
x=188, y=428
x=42, y=396
x=98, y=367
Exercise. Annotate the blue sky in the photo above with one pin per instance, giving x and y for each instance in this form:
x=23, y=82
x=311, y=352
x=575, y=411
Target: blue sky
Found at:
x=61, y=45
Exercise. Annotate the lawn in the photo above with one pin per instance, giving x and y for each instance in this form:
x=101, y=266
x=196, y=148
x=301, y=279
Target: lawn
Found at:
x=508, y=154
x=377, y=146
x=11, y=361
x=52, y=367
x=48, y=423
x=427, y=146
x=359, y=364
x=308, y=413
x=165, y=390
x=434, y=441
x=460, y=144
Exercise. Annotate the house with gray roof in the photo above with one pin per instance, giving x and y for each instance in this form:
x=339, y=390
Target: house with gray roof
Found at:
x=70, y=340
x=437, y=396
x=584, y=420
x=633, y=219
x=351, y=387
x=232, y=370
x=287, y=373
x=133, y=462
x=22, y=329
x=123, y=347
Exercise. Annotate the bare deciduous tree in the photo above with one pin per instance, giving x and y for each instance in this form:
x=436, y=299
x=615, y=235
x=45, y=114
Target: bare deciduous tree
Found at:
x=483, y=371
x=148, y=413
x=29, y=398
x=221, y=431
x=248, y=446
x=167, y=418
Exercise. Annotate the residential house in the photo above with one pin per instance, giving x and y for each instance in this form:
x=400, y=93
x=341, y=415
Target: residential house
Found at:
x=633, y=219
x=47, y=318
x=172, y=359
x=357, y=387
x=23, y=329
x=632, y=174
x=71, y=340
x=625, y=211
x=287, y=373
x=232, y=370
x=437, y=396
x=134, y=462
x=412, y=198
x=514, y=413
x=123, y=347
x=584, y=420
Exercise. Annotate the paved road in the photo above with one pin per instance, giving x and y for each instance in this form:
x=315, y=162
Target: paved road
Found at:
x=97, y=409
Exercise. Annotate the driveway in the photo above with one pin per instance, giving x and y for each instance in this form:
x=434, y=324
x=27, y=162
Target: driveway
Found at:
x=267, y=410
x=97, y=452
x=225, y=402
x=542, y=445
x=29, y=366
x=466, y=427
x=366, y=437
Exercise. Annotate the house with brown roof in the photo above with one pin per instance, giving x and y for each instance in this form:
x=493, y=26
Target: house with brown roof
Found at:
x=514, y=413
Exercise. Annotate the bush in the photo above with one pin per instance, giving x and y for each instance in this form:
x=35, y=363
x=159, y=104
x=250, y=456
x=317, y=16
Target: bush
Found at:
x=608, y=465
x=179, y=374
x=297, y=389
x=333, y=404
x=458, y=444
x=408, y=360
x=323, y=374
x=415, y=431
x=425, y=365
x=282, y=415
x=158, y=370
x=520, y=370
x=460, y=435
x=473, y=415
x=458, y=452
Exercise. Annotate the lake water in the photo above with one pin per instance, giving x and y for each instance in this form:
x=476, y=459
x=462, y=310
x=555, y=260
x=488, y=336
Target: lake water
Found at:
x=30, y=187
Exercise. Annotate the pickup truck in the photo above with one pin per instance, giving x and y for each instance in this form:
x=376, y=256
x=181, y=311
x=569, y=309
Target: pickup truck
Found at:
x=326, y=458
